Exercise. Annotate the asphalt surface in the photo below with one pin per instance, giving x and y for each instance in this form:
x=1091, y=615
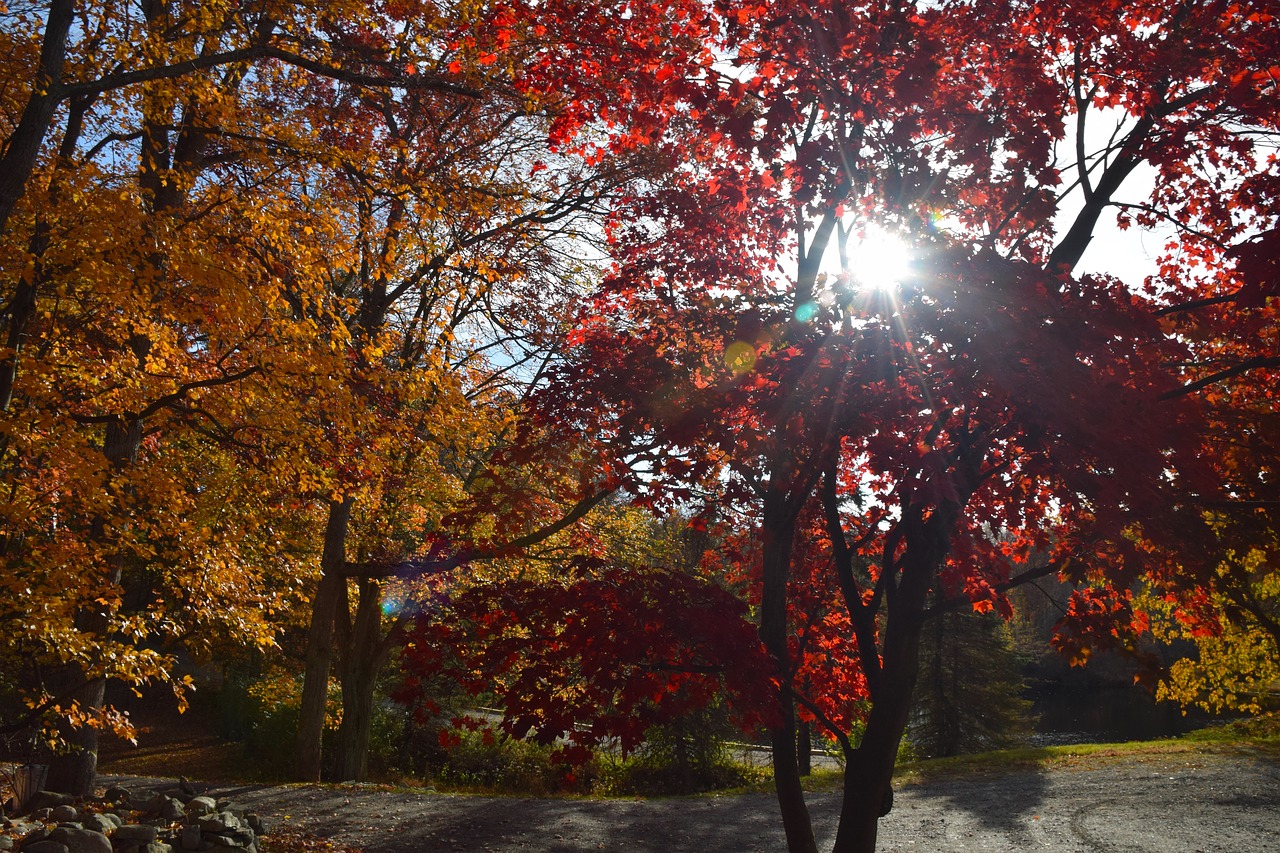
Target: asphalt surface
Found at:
x=1192, y=802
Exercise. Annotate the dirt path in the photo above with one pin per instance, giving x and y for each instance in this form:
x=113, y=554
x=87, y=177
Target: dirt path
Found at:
x=1197, y=803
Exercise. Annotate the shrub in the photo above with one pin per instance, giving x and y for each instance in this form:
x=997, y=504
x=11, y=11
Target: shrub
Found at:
x=263, y=710
x=488, y=761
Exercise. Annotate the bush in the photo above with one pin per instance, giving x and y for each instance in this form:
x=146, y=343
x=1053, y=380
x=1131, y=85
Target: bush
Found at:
x=262, y=711
x=687, y=756
x=487, y=761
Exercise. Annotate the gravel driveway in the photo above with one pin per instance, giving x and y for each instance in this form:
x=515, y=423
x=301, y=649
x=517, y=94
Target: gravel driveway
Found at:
x=1192, y=802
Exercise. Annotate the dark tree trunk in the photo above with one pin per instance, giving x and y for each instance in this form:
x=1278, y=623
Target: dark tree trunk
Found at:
x=324, y=607
x=779, y=532
x=868, y=790
x=24, y=144
x=868, y=774
x=75, y=771
x=362, y=660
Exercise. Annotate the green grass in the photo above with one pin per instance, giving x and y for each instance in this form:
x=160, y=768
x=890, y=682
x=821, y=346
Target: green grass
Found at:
x=1259, y=735
x=1253, y=736
x=211, y=759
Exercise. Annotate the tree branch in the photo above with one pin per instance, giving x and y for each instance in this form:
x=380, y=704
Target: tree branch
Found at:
x=1258, y=361
x=1026, y=577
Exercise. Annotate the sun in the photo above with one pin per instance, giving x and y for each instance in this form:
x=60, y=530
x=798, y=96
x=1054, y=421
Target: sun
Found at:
x=878, y=259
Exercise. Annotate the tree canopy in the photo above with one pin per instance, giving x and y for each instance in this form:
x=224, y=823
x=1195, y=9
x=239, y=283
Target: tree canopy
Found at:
x=306, y=301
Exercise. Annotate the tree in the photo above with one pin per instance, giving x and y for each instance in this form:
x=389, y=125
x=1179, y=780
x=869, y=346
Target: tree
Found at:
x=1237, y=661
x=956, y=713
x=456, y=222
x=994, y=402
x=143, y=277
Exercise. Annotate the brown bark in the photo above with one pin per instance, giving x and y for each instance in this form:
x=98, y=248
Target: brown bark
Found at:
x=324, y=607
x=779, y=532
x=363, y=655
x=75, y=771
x=24, y=145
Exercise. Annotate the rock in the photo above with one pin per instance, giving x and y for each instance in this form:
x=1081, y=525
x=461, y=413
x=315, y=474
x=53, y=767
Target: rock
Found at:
x=50, y=800
x=211, y=824
x=173, y=809
x=220, y=822
x=40, y=833
x=140, y=833
x=43, y=814
x=191, y=838
x=23, y=827
x=243, y=836
x=149, y=802
x=201, y=806
x=65, y=814
x=116, y=794
x=99, y=823
x=81, y=840
x=6, y=842
x=45, y=847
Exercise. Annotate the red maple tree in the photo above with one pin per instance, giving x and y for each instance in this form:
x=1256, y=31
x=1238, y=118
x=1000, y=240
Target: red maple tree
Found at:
x=906, y=442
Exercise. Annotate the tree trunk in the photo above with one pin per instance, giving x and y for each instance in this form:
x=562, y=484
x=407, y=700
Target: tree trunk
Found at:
x=868, y=795
x=24, y=144
x=868, y=777
x=362, y=660
x=75, y=772
x=315, y=679
x=868, y=774
x=779, y=531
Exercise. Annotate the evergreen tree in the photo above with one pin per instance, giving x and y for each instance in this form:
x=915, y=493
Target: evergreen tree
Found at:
x=969, y=692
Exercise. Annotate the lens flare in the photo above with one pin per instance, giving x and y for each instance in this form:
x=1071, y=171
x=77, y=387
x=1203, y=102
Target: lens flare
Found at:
x=740, y=356
x=807, y=312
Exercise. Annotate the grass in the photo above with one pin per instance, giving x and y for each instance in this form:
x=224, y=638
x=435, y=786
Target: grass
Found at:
x=1254, y=736
x=1259, y=735
x=209, y=758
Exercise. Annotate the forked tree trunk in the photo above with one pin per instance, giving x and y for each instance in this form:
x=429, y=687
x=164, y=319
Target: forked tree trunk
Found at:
x=324, y=607
x=868, y=773
x=363, y=655
x=868, y=791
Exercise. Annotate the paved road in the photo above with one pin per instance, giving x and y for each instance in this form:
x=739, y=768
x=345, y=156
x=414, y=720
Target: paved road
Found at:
x=1187, y=803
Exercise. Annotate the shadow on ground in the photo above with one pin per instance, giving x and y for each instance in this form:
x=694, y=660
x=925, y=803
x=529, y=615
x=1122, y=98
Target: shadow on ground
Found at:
x=1003, y=806
x=382, y=821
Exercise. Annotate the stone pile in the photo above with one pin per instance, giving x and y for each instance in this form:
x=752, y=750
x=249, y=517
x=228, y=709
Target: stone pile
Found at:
x=168, y=821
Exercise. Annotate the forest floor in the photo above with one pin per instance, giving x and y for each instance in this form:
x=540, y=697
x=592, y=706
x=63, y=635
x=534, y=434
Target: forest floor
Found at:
x=1211, y=799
